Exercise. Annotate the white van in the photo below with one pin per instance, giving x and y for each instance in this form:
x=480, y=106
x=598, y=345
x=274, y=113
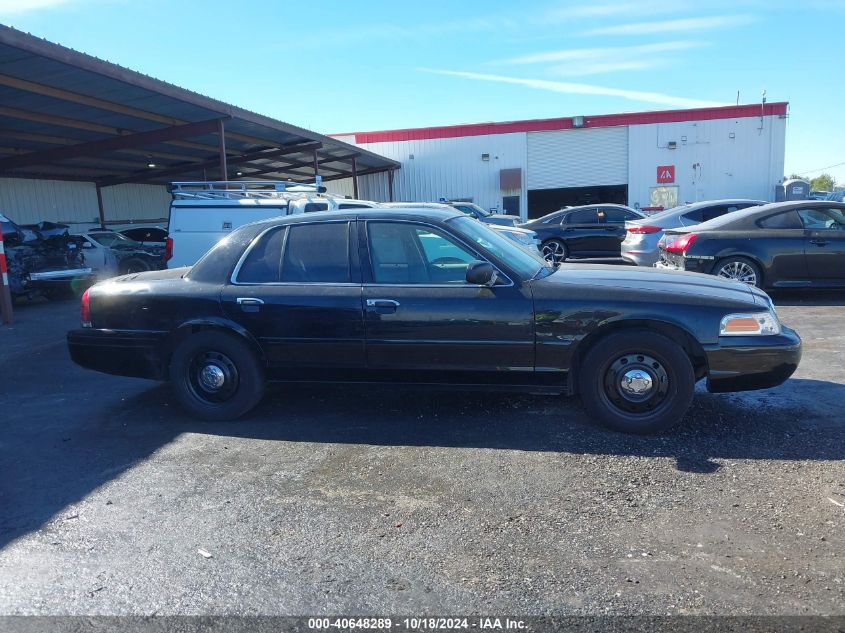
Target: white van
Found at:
x=202, y=213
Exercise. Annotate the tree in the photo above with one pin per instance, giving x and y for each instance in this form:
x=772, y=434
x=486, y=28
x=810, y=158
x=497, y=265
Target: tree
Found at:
x=823, y=182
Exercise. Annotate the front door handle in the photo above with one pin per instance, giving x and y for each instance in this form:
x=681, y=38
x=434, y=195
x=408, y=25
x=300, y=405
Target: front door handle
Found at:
x=383, y=304
x=249, y=304
x=819, y=242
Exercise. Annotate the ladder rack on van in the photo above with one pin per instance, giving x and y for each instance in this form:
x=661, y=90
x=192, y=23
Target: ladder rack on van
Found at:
x=238, y=190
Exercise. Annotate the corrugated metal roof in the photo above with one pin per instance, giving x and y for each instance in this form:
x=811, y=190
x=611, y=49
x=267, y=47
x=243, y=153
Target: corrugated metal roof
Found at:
x=52, y=97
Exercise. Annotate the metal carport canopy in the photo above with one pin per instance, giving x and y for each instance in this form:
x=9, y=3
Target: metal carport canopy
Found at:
x=66, y=115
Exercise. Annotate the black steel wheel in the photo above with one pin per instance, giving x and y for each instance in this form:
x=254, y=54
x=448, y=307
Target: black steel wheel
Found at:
x=216, y=376
x=555, y=251
x=636, y=382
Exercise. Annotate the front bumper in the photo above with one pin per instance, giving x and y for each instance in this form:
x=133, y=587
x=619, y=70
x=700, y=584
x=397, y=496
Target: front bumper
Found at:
x=744, y=363
x=119, y=352
x=64, y=274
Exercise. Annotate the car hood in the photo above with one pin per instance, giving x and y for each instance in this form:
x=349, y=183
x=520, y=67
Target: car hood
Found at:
x=502, y=220
x=652, y=280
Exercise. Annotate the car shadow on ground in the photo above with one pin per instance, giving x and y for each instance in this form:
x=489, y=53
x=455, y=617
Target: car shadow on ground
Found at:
x=48, y=462
x=831, y=297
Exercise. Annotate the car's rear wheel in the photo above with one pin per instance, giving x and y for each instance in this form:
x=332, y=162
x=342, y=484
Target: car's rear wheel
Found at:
x=555, y=251
x=133, y=265
x=740, y=269
x=636, y=382
x=215, y=376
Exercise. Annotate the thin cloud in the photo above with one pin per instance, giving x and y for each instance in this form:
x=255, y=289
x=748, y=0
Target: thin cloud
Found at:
x=582, y=89
x=612, y=9
x=672, y=26
x=10, y=7
x=602, y=68
x=603, y=54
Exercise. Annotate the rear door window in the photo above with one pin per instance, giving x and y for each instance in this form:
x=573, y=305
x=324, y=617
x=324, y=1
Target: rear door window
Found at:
x=582, y=216
x=317, y=253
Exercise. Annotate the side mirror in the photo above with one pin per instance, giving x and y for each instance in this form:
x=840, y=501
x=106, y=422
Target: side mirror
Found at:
x=87, y=245
x=482, y=274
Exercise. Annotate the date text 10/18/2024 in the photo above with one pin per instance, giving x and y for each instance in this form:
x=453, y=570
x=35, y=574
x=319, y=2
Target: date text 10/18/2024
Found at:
x=417, y=624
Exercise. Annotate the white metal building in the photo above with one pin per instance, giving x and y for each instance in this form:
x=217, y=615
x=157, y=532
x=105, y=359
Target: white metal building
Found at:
x=643, y=159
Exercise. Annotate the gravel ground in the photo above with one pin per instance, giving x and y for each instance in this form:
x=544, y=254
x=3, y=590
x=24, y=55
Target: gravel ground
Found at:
x=340, y=500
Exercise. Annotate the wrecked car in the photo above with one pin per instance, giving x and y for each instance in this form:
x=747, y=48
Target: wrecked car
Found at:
x=52, y=265
x=111, y=253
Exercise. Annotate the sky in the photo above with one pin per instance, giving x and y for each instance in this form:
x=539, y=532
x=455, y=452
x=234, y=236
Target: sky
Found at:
x=334, y=66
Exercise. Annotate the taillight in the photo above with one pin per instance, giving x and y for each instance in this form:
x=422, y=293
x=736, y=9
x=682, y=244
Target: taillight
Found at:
x=639, y=230
x=681, y=244
x=85, y=310
x=168, y=249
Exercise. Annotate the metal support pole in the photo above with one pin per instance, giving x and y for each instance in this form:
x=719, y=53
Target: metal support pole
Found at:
x=221, y=136
x=316, y=166
x=5, y=292
x=354, y=178
x=390, y=184
x=100, y=207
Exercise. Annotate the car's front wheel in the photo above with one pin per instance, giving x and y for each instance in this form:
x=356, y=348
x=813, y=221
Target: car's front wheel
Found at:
x=555, y=251
x=636, y=382
x=216, y=376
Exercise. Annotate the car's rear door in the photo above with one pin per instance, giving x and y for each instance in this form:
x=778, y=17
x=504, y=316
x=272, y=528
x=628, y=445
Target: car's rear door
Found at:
x=825, y=246
x=425, y=323
x=297, y=290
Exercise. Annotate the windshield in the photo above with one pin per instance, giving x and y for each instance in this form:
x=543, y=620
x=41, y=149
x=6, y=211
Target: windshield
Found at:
x=468, y=208
x=113, y=239
x=523, y=261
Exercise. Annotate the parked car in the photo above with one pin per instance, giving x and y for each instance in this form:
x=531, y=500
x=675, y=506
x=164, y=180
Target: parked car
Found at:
x=52, y=266
x=111, y=253
x=640, y=244
x=435, y=298
x=202, y=213
x=819, y=195
x=484, y=215
x=147, y=235
x=595, y=230
x=836, y=196
x=780, y=245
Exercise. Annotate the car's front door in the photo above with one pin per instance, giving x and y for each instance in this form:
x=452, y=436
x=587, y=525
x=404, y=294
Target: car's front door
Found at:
x=582, y=234
x=612, y=229
x=298, y=292
x=424, y=322
x=825, y=247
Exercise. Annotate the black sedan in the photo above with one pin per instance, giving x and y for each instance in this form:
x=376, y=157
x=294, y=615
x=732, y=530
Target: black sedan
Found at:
x=430, y=298
x=596, y=230
x=781, y=245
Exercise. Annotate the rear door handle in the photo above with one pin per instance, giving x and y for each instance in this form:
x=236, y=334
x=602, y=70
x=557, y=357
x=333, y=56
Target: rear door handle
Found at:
x=249, y=304
x=383, y=304
x=819, y=242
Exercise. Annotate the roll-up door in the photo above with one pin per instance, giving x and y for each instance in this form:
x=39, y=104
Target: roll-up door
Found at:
x=577, y=158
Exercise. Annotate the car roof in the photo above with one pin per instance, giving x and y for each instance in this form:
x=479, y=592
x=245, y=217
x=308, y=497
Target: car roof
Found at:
x=744, y=218
x=392, y=213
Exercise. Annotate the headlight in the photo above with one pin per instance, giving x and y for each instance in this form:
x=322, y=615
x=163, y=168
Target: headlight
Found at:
x=754, y=324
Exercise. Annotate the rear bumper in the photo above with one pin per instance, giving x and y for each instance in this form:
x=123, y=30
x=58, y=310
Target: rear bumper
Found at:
x=118, y=352
x=752, y=362
x=640, y=258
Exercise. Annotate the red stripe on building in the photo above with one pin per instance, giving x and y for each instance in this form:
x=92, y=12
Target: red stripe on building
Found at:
x=565, y=123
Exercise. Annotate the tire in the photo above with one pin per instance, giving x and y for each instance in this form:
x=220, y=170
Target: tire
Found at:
x=643, y=358
x=133, y=265
x=237, y=370
x=555, y=251
x=739, y=269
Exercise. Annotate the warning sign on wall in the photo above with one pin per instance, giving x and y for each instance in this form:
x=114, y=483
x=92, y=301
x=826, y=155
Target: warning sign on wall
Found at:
x=666, y=174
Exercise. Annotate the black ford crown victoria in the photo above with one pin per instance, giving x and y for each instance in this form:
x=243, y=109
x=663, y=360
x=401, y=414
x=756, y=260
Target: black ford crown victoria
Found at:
x=432, y=298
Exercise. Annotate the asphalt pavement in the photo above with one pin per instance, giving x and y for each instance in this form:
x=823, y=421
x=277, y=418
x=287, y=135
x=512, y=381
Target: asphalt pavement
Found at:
x=370, y=500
